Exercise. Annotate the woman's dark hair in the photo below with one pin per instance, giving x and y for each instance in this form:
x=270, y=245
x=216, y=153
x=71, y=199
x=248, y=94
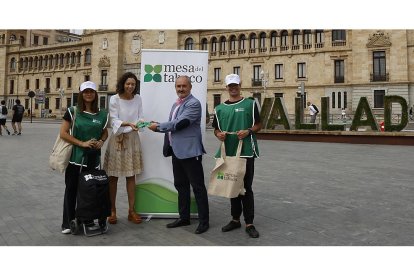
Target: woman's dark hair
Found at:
x=122, y=80
x=81, y=105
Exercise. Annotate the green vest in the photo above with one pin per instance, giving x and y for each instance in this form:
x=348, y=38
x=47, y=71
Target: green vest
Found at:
x=235, y=117
x=87, y=126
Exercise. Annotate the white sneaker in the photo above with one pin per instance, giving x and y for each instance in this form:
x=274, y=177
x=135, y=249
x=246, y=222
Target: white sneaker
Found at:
x=66, y=231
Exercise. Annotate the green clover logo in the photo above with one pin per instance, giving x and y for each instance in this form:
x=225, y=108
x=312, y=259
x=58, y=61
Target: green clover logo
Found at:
x=152, y=73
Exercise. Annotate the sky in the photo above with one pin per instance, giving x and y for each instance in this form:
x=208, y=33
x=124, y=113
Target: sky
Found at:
x=187, y=14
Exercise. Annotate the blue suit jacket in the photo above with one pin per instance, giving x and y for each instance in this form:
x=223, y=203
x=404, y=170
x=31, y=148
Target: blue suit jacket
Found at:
x=186, y=142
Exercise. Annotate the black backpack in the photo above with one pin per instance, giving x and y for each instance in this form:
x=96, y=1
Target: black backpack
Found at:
x=4, y=110
x=316, y=109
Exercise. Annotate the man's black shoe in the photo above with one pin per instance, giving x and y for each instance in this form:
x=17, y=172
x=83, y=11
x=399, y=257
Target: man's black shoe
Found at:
x=178, y=223
x=252, y=231
x=202, y=227
x=231, y=226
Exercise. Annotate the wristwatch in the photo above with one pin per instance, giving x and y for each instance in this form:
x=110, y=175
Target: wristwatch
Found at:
x=250, y=131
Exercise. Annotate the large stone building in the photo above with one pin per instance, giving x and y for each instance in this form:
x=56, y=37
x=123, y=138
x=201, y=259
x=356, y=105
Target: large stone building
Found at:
x=343, y=65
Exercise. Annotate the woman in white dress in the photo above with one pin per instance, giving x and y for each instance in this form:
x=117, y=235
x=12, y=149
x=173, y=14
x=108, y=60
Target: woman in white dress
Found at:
x=123, y=156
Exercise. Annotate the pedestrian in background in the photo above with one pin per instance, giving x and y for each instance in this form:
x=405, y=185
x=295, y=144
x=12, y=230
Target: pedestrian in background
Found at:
x=18, y=111
x=313, y=111
x=183, y=141
x=123, y=157
x=237, y=119
x=89, y=132
x=3, y=117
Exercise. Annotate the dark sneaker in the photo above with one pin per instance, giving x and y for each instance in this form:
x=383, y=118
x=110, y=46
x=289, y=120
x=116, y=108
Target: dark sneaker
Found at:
x=8, y=132
x=19, y=133
x=231, y=226
x=252, y=231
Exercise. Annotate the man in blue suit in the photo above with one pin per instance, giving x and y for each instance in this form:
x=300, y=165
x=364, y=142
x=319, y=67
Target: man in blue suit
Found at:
x=183, y=142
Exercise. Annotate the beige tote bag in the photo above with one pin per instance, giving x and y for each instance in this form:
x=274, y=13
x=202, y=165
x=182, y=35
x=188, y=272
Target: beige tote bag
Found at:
x=226, y=178
x=61, y=152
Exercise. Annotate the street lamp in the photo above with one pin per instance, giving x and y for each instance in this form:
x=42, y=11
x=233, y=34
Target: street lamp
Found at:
x=61, y=93
x=301, y=91
x=264, y=76
x=31, y=94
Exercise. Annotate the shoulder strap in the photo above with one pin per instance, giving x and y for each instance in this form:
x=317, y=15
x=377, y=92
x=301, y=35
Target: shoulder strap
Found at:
x=73, y=121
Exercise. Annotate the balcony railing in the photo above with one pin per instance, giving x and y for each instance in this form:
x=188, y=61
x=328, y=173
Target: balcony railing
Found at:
x=339, y=43
x=284, y=48
x=339, y=79
x=307, y=46
x=256, y=82
x=319, y=45
x=103, y=87
x=383, y=77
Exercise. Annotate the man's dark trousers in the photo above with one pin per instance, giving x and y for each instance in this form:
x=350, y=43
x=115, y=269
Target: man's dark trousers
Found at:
x=188, y=172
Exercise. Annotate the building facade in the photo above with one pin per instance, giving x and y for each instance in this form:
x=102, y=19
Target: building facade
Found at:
x=343, y=65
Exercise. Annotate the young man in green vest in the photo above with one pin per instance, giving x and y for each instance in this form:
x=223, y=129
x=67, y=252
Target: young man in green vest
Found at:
x=238, y=119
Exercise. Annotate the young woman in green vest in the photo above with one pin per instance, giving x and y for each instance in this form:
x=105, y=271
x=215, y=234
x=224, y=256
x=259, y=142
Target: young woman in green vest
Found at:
x=89, y=132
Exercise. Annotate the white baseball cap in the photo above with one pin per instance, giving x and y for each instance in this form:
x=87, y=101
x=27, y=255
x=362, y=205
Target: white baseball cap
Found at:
x=87, y=85
x=232, y=78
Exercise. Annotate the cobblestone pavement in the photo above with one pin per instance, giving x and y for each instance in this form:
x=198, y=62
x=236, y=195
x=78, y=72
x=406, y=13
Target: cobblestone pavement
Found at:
x=306, y=194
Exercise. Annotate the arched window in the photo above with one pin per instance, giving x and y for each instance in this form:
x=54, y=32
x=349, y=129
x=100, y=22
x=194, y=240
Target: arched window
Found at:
x=72, y=58
x=20, y=63
x=333, y=99
x=88, y=56
x=242, y=42
x=273, y=36
x=307, y=37
x=30, y=63
x=223, y=42
x=262, y=42
x=319, y=38
x=40, y=62
x=51, y=61
x=295, y=39
x=214, y=44
x=36, y=62
x=13, y=64
x=78, y=58
x=46, y=61
x=61, y=60
x=252, y=40
x=189, y=42
x=284, y=41
x=232, y=43
x=204, y=44
x=283, y=38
